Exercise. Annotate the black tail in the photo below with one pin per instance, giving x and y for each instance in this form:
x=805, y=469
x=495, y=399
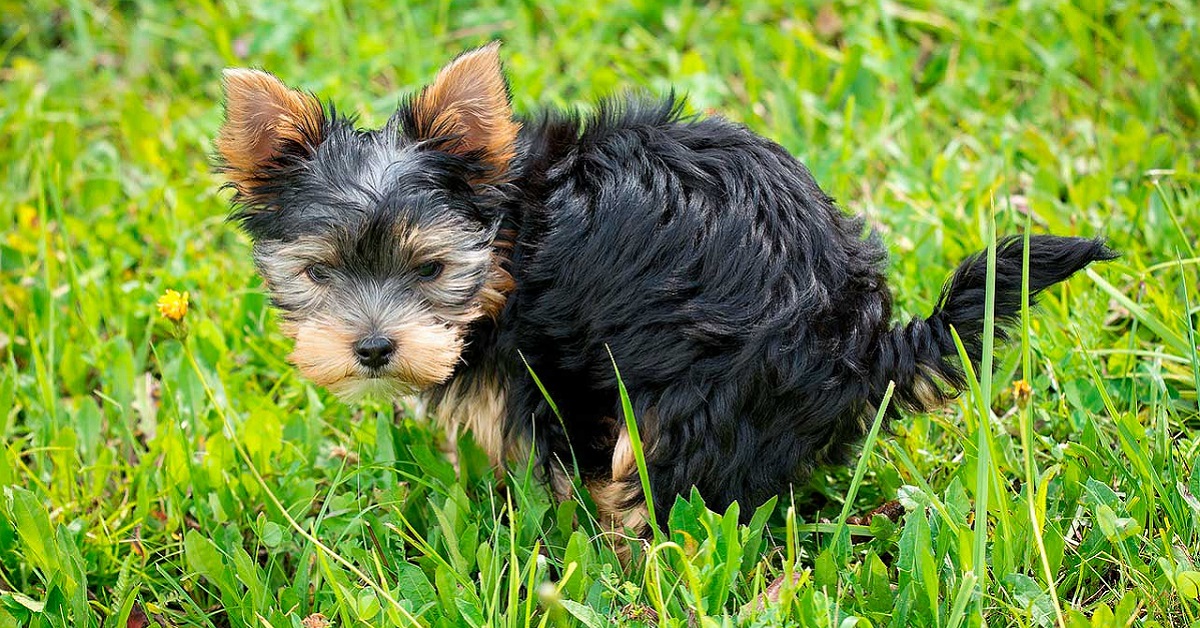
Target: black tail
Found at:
x=919, y=355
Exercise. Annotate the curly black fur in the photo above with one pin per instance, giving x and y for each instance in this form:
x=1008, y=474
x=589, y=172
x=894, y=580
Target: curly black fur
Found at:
x=750, y=318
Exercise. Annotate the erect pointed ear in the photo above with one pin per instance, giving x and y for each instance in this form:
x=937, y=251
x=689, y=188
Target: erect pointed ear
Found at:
x=264, y=122
x=469, y=101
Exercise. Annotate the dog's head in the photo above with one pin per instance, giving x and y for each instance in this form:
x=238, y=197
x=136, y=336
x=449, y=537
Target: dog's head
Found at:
x=379, y=247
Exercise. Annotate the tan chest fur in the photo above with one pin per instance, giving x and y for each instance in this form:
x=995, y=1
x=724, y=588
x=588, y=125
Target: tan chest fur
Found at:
x=477, y=405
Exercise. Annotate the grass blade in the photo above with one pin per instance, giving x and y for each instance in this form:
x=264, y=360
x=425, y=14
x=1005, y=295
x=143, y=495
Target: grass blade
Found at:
x=635, y=441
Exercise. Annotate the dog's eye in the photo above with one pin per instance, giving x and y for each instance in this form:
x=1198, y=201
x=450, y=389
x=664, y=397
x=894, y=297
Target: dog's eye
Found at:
x=429, y=271
x=319, y=273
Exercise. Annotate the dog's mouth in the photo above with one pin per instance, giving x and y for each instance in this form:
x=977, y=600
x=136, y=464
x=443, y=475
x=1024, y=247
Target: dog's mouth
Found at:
x=374, y=384
x=335, y=358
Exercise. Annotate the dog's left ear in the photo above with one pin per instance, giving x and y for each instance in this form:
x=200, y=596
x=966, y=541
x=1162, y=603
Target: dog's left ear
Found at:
x=469, y=101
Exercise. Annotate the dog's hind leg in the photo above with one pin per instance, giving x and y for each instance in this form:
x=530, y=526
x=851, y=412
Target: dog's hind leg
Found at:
x=620, y=505
x=622, y=512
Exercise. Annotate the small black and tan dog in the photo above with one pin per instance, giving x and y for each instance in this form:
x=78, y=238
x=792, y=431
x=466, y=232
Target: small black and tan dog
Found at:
x=443, y=253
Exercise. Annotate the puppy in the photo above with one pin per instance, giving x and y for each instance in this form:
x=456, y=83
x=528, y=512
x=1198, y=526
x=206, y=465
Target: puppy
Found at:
x=459, y=248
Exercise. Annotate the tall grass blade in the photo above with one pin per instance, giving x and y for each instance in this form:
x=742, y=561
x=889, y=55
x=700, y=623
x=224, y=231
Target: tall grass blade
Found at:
x=635, y=441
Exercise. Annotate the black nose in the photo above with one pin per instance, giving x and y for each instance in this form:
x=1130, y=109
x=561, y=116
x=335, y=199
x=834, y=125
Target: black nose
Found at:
x=374, y=352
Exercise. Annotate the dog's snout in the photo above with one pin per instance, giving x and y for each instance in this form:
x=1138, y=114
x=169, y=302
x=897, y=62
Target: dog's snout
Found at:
x=374, y=351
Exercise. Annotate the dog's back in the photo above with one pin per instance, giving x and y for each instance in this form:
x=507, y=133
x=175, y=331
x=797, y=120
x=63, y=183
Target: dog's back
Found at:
x=749, y=317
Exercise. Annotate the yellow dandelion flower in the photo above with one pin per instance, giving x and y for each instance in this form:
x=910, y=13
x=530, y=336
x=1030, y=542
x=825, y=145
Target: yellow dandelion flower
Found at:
x=173, y=305
x=1022, y=391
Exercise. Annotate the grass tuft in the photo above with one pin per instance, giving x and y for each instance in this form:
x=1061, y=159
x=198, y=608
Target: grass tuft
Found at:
x=176, y=471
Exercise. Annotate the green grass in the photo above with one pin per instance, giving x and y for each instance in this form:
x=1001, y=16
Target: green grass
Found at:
x=187, y=472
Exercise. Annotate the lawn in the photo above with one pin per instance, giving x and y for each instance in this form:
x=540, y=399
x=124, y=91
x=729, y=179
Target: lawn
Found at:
x=181, y=474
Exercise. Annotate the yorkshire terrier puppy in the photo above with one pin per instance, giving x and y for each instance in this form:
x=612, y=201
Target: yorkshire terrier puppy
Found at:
x=458, y=248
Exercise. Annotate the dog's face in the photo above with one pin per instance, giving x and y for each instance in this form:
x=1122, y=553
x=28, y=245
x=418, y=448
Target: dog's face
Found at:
x=378, y=247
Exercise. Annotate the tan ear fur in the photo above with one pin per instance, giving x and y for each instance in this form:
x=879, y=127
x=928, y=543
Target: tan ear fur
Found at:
x=260, y=114
x=469, y=99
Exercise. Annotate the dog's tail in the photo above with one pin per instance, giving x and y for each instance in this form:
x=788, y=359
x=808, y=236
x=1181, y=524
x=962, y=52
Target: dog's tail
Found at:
x=921, y=356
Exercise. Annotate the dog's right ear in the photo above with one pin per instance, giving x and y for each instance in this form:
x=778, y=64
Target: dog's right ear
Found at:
x=266, y=124
x=468, y=101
